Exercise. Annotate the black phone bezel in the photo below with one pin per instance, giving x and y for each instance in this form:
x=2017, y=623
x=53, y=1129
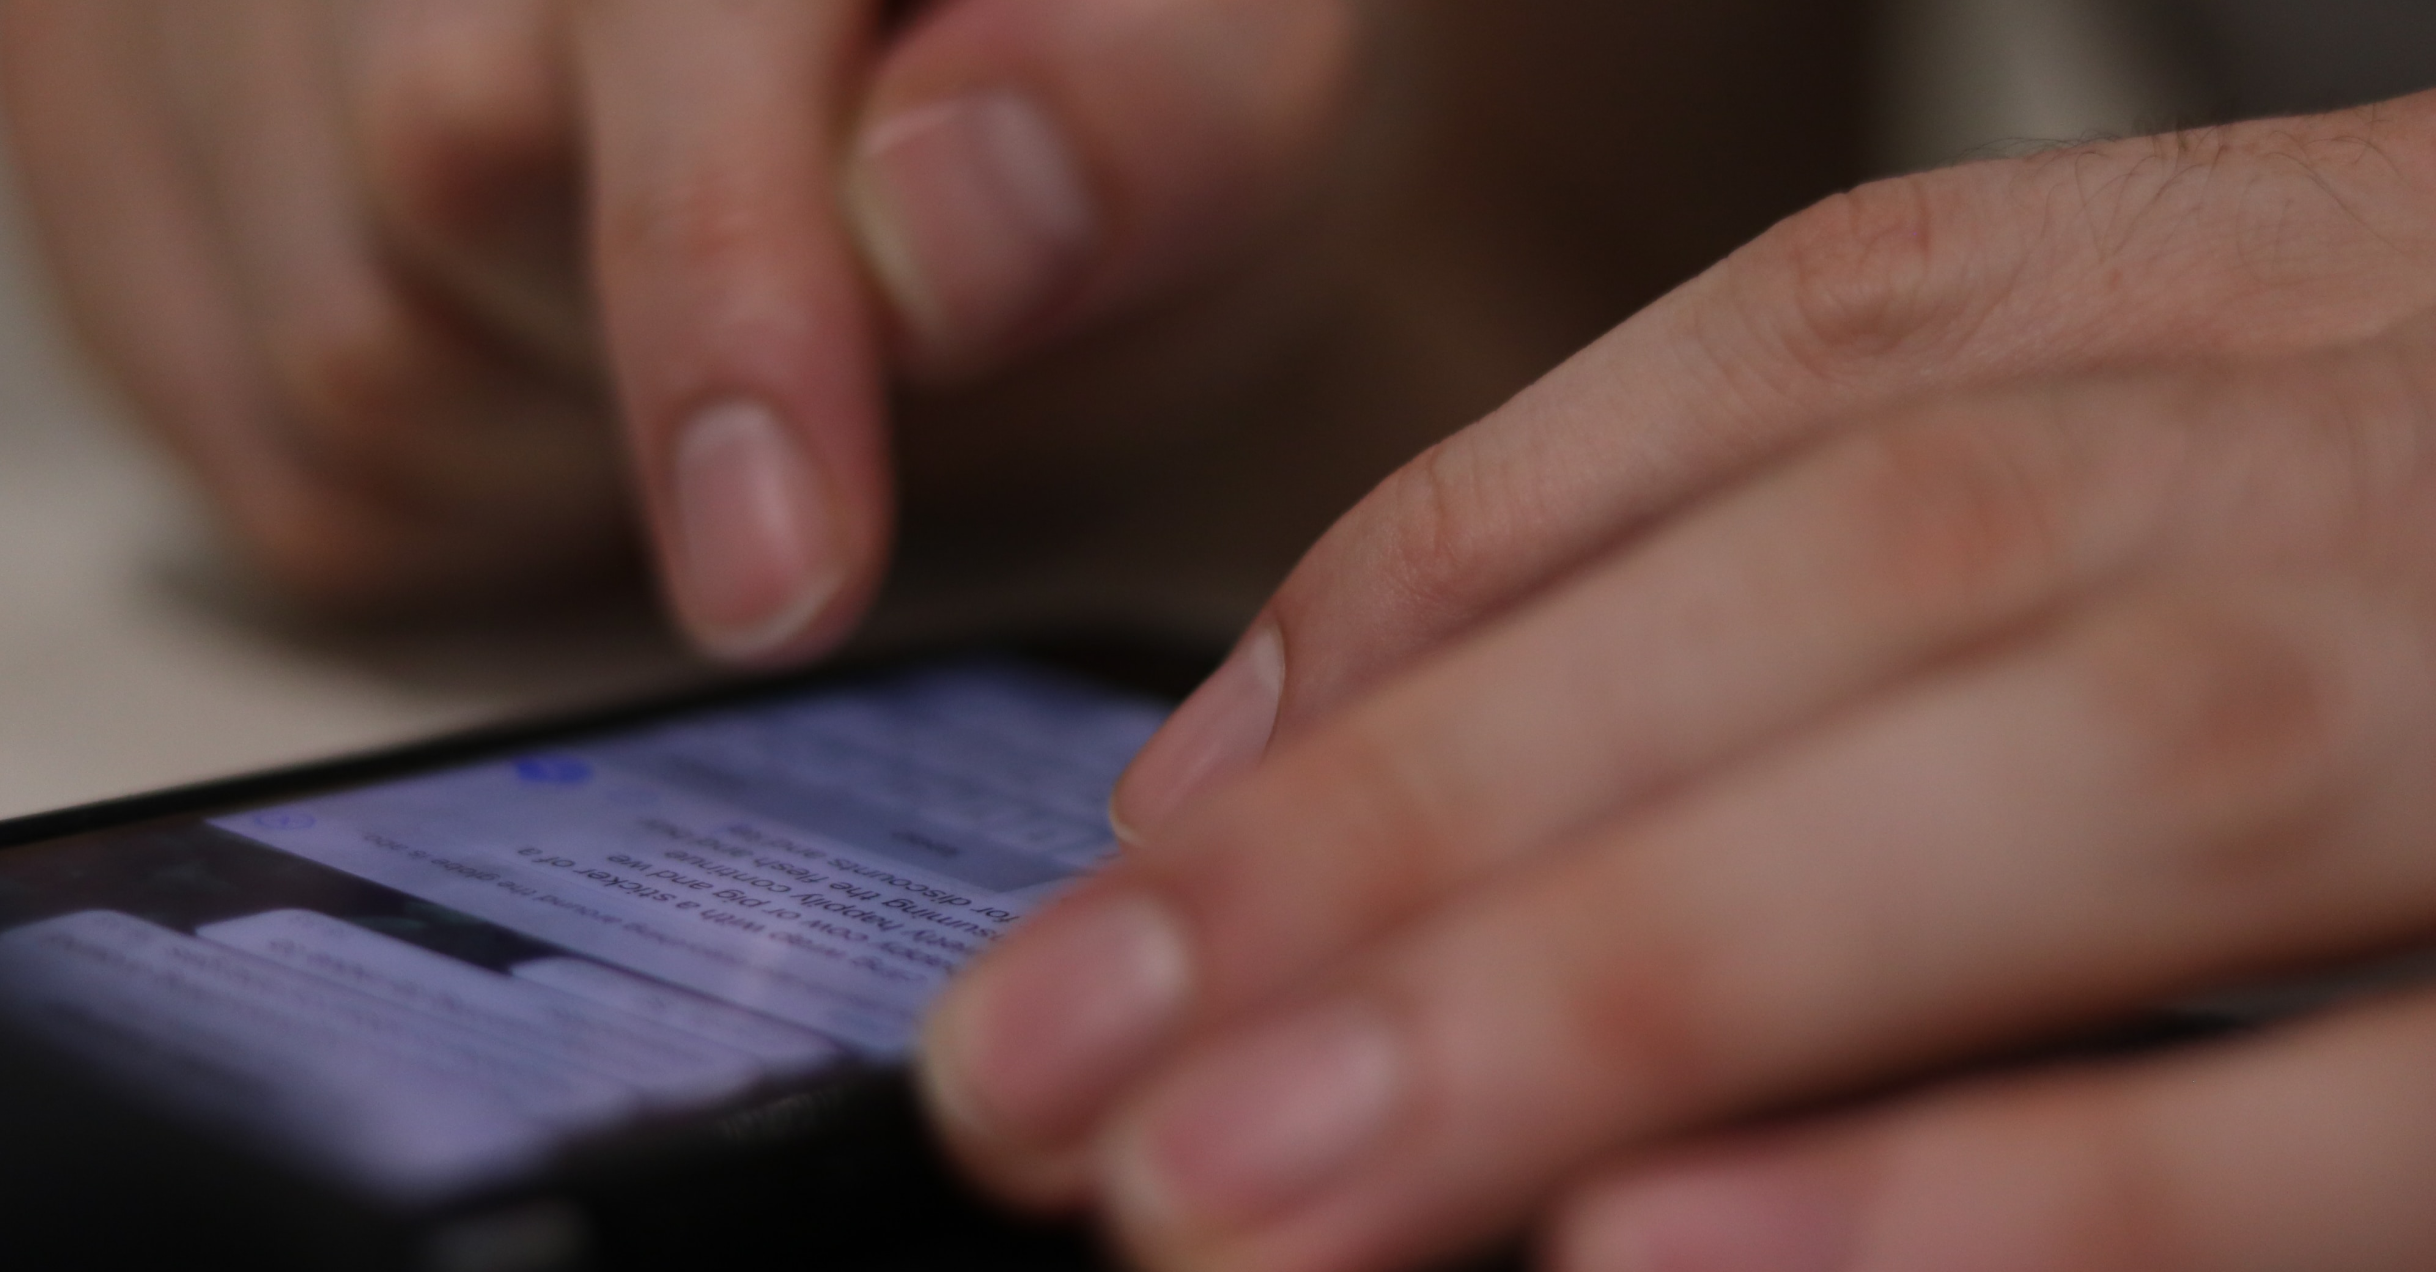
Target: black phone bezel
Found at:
x=1157, y=666
x=77, y=1158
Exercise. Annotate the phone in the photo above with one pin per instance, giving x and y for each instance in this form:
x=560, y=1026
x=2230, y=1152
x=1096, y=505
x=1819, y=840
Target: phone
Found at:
x=615, y=992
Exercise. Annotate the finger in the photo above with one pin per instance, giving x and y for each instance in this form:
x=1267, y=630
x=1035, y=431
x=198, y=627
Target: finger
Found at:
x=2182, y=786
x=743, y=354
x=1027, y=166
x=385, y=392
x=131, y=233
x=122, y=228
x=1896, y=548
x=2311, y=1149
x=463, y=123
x=2100, y=255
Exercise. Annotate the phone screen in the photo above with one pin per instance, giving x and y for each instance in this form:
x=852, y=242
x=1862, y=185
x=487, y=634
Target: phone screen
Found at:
x=439, y=983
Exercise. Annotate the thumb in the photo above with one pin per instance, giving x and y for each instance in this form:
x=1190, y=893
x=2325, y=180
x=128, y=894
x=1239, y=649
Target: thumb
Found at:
x=1028, y=166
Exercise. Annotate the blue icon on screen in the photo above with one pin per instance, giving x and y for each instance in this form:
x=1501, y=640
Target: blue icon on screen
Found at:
x=284, y=820
x=554, y=770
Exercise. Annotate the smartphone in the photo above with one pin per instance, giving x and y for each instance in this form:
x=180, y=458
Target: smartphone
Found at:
x=626, y=991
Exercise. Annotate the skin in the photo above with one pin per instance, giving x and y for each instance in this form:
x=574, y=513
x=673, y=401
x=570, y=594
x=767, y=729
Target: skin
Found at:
x=420, y=288
x=432, y=294
x=1990, y=603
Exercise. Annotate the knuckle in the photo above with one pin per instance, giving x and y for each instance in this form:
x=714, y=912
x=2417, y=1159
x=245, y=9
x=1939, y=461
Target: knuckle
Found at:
x=1397, y=566
x=1431, y=512
x=1308, y=55
x=352, y=364
x=1958, y=514
x=365, y=549
x=330, y=550
x=449, y=116
x=1325, y=847
x=2075, y=1147
x=2120, y=1212
x=1653, y=1017
x=2218, y=713
x=1864, y=275
x=1386, y=795
x=1418, y=538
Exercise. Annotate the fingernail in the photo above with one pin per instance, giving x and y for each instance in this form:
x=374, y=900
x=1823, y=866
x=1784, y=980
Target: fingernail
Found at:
x=975, y=214
x=757, y=555
x=1222, y=729
x=1273, y=1121
x=1024, y=1051
x=1719, y=1219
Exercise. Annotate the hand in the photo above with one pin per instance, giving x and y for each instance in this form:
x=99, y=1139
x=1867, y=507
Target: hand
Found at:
x=1993, y=602
x=389, y=273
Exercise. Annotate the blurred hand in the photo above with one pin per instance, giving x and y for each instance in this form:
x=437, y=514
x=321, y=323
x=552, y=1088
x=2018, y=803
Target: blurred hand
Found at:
x=390, y=273
x=1992, y=602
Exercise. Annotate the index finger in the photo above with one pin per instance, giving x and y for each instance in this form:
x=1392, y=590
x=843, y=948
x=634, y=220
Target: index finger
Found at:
x=1972, y=276
x=743, y=348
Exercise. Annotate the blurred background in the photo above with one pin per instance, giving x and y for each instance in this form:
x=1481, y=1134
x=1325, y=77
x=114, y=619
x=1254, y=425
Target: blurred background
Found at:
x=135, y=653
